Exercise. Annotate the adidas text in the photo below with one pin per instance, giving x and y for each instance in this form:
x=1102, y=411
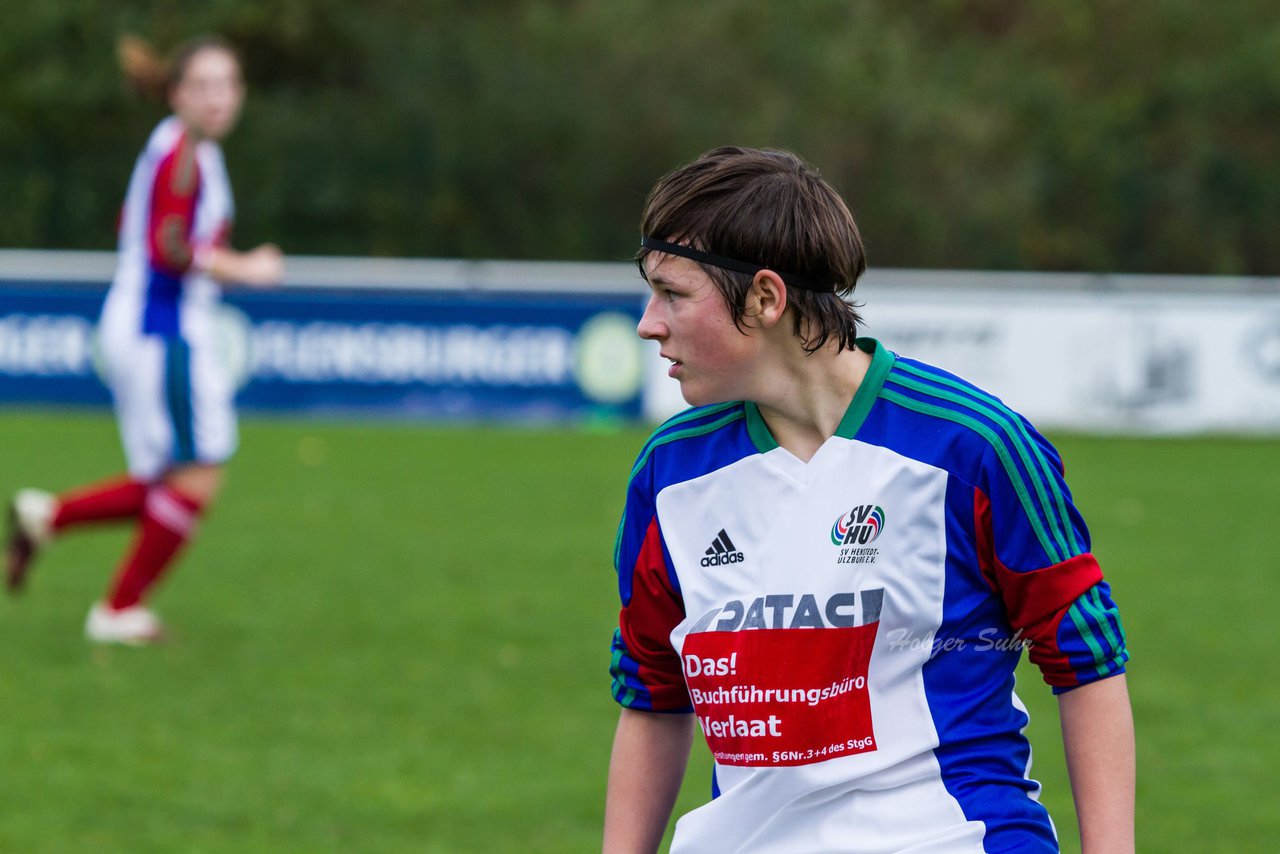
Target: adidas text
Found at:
x=722, y=551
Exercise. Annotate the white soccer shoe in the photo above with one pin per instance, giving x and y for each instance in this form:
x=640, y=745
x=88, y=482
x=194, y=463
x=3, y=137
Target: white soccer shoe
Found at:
x=30, y=526
x=134, y=626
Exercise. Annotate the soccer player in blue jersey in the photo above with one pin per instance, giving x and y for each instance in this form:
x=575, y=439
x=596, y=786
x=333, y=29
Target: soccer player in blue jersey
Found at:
x=831, y=564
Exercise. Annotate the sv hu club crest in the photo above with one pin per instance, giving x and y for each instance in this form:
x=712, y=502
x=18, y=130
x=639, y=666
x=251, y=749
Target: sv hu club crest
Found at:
x=859, y=526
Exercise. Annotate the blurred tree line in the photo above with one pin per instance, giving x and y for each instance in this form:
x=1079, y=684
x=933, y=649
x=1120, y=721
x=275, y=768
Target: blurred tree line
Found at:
x=1097, y=135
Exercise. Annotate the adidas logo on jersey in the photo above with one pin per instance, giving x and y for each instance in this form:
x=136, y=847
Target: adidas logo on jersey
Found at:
x=722, y=551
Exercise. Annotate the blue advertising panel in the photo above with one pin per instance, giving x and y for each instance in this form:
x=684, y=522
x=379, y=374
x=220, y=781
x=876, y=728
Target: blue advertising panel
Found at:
x=441, y=354
x=46, y=344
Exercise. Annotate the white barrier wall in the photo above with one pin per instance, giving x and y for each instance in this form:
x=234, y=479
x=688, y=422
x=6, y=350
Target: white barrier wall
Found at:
x=1114, y=354
x=1147, y=355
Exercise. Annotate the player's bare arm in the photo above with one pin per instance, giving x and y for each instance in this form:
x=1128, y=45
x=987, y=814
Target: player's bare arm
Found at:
x=1097, y=734
x=650, y=752
x=263, y=265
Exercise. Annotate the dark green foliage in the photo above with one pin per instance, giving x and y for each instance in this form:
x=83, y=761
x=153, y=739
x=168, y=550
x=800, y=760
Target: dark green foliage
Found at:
x=1104, y=136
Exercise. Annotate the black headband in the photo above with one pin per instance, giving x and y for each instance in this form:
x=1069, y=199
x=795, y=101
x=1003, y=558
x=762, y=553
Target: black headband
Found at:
x=737, y=266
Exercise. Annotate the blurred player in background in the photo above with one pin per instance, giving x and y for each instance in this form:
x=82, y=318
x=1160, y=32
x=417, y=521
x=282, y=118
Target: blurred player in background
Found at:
x=173, y=399
x=834, y=560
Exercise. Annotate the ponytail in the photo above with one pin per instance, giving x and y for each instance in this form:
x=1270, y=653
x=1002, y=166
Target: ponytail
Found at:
x=145, y=71
x=151, y=75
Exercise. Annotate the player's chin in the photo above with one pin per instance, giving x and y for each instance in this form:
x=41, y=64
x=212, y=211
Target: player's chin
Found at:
x=696, y=394
x=217, y=127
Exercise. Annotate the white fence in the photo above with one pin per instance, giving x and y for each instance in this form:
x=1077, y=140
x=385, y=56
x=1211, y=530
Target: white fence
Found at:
x=1109, y=354
x=1114, y=354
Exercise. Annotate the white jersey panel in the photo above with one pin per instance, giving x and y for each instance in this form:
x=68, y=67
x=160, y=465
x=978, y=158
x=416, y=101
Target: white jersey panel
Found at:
x=214, y=212
x=905, y=815
x=790, y=715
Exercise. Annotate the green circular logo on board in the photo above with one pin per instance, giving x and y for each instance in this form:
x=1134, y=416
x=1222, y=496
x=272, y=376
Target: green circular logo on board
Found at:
x=608, y=358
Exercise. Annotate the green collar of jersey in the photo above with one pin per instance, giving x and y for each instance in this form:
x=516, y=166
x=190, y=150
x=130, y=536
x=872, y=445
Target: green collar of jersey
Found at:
x=868, y=391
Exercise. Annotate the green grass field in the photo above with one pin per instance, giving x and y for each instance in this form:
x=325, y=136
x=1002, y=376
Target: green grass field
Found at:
x=395, y=638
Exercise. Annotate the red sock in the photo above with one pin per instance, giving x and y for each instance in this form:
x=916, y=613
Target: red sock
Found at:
x=168, y=521
x=119, y=498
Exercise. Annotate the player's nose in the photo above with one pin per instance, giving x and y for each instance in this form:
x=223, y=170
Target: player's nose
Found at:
x=650, y=327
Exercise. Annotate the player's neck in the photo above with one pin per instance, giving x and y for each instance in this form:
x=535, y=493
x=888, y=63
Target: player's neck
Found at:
x=812, y=394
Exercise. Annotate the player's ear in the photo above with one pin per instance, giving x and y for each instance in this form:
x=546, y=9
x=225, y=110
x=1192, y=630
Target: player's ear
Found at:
x=767, y=299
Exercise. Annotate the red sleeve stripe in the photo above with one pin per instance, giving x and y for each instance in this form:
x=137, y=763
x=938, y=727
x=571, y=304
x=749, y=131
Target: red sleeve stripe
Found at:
x=1036, y=595
x=173, y=207
x=646, y=623
x=1032, y=598
x=1038, y=601
x=983, y=545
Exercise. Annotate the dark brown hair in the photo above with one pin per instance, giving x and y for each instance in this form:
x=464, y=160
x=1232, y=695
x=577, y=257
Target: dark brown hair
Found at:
x=771, y=208
x=154, y=76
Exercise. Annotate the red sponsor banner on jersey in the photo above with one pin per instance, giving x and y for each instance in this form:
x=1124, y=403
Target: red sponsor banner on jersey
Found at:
x=782, y=696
